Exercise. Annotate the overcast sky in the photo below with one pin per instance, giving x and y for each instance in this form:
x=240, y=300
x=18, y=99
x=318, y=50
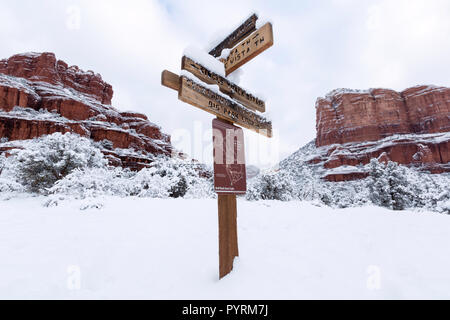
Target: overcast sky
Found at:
x=320, y=45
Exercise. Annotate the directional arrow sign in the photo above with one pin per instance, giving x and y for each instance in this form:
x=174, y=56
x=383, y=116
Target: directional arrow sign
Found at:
x=201, y=97
x=256, y=43
x=234, y=91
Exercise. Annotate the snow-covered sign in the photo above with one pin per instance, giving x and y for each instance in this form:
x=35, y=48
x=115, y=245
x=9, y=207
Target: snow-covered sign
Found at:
x=247, y=99
x=256, y=43
x=202, y=97
x=237, y=35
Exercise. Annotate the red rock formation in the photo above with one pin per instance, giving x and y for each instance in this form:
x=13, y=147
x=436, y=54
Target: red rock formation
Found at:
x=43, y=67
x=63, y=99
x=355, y=116
x=411, y=127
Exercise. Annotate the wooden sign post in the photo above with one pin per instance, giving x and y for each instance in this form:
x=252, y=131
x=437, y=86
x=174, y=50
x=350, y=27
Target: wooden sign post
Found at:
x=232, y=106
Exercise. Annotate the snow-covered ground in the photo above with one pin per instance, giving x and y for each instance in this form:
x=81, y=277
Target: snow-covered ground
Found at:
x=167, y=249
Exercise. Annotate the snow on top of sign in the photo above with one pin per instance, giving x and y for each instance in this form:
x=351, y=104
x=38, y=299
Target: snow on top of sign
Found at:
x=262, y=21
x=220, y=35
x=206, y=60
x=225, y=54
x=234, y=77
x=212, y=87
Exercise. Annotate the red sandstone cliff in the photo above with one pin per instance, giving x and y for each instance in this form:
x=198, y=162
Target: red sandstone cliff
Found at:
x=41, y=95
x=410, y=127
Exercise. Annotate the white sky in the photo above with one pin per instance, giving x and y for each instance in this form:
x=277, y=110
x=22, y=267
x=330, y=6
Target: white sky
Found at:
x=320, y=45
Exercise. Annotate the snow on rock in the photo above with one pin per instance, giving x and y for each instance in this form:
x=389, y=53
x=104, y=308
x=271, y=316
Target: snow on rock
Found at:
x=221, y=35
x=215, y=88
x=346, y=115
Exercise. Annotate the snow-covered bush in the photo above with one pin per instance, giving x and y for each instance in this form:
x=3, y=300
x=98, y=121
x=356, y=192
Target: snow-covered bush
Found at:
x=398, y=187
x=184, y=178
x=444, y=206
x=165, y=178
x=389, y=186
x=94, y=182
x=343, y=194
x=50, y=158
x=272, y=186
x=8, y=182
x=2, y=162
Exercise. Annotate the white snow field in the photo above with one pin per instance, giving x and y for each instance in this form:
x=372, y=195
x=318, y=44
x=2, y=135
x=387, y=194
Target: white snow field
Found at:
x=167, y=249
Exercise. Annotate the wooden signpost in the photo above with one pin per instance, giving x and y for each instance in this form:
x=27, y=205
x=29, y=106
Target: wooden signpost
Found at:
x=232, y=106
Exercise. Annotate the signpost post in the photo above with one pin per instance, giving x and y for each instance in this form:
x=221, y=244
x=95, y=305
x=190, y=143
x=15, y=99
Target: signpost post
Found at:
x=232, y=106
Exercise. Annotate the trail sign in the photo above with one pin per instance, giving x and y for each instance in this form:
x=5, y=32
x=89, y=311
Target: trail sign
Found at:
x=229, y=158
x=201, y=97
x=256, y=43
x=226, y=86
x=230, y=106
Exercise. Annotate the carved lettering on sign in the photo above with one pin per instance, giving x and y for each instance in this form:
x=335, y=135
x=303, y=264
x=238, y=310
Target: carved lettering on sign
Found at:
x=212, y=102
x=246, y=50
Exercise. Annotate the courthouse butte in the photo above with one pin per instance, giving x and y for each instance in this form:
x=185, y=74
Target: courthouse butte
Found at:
x=411, y=127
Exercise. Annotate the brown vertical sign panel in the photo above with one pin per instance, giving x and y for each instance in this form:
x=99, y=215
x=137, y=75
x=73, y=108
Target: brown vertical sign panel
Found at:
x=229, y=158
x=231, y=106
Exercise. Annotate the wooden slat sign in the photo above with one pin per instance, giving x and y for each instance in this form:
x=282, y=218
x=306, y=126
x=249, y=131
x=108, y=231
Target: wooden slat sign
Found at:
x=247, y=49
x=230, y=175
x=234, y=91
x=214, y=103
x=170, y=80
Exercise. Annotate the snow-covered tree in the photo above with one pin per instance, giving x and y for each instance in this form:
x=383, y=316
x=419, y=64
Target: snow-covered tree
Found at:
x=50, y=158
x=95, y=182
x=389, y=185
x=166, y=177
x=272, y=186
